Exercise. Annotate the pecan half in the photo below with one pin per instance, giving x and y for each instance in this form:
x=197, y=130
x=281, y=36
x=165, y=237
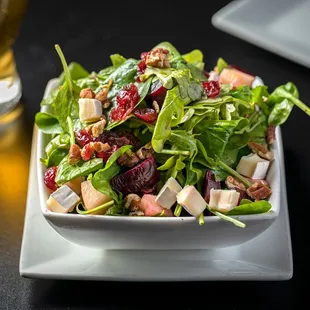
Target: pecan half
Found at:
x=87, y=93
x=261, y=151
x=158, y=57
x=128, y=159
x=233, y=183
x=259, y=191
x=145, y=151
x=132, y=202
x=102, y=94
x=101, y=147
x=74, y=154
x=271, y=134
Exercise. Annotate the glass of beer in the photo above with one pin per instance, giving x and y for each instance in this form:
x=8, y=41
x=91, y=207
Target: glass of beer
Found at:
x=11, y=14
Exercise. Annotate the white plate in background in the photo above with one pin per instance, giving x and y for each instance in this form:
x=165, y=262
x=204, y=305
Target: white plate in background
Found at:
x=280, y=26
x=46, y=254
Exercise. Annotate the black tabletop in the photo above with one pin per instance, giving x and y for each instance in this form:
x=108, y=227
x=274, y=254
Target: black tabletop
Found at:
x=88, y=32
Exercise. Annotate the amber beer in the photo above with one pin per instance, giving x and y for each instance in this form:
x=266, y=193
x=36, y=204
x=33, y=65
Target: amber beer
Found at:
x=11, y=14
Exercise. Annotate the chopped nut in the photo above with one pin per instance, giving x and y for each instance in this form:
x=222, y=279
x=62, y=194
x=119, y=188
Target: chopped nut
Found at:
x=87, y=93
x=261, y=151
x=145, y=151
x=74, y=154
x=155, y=105
x=101, y=147
x=271, y=134
x=102, y=95
x=97, y=128
x=158, y=57
x=258, y=191
x=136, y=213
x=132, y=202
x=128, y=159
x=233, y=183
x=106, y=104
x=87, y=151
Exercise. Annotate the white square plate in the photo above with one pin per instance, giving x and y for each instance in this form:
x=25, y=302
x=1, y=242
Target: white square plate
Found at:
x=280, y=26
x=46, y=254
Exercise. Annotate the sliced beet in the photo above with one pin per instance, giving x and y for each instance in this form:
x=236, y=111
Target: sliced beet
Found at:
x=209, y=184
x=119, y=139
x=140, y=179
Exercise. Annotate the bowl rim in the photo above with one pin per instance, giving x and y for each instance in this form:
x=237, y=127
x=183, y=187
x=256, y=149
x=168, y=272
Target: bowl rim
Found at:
x=44, y=193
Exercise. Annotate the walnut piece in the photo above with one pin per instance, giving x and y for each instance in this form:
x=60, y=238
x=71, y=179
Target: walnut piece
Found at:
x=128, y=159
x=136, y=213
x=74, y=154
x=155, y=106
x=259, y=191
x=106, y=104
x=102, y=95
x=132, y=202
x=101, y=147
x=145, y=151
x=233, y=183
x=98, y=128
x=87, y=93
x=261, y=151
x=271, y=134
x=158, y=57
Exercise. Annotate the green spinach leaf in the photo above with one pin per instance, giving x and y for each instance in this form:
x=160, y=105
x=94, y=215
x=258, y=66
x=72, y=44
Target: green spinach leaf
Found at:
x=48, y=123
x=261, y=206
x=67, y=172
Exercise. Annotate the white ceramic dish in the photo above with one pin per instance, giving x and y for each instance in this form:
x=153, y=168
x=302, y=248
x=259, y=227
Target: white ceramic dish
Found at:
x=154, y=233
x=47, y=255
x=280, y=26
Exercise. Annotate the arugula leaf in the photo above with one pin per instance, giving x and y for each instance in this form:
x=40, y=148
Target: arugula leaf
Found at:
x=221, y=64
x=170, y=162
x=170, y=115
x=246, y=207
x=194, y=56
x=101, y=179
x=47, y=123
x=117, y=60
x=67, y=172
x=258, y=94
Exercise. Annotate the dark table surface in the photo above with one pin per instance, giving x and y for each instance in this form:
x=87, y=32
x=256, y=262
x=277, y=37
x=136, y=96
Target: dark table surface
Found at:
x=88, y=33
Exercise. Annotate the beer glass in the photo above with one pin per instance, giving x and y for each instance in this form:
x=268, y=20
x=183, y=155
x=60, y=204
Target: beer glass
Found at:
x=11, y=14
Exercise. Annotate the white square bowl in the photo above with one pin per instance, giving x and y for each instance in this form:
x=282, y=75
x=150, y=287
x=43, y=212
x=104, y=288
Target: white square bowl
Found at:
x=156, y=233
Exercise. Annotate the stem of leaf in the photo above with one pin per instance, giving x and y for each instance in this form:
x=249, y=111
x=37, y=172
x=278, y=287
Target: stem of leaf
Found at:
x=201, y=219
x=104, y=206
x=235, y=174
x=70, y=126
x=177, y=211
x=65, y=66
x=300, y=104
x=175, y=152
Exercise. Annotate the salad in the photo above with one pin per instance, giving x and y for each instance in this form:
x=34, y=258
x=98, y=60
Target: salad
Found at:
x=162, y=136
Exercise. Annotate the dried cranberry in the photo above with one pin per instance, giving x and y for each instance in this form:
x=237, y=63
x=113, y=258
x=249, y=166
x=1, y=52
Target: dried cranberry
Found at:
x=147, y=115
x=49, y=178
x=158, y=92
x=212, y=88
x=126, y=100
x=87, y=151
x=83, y=137
x=119, y=138
x=106, y=155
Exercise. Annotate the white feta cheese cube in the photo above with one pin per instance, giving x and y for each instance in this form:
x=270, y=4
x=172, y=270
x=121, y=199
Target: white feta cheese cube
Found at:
x=63, y=200
x=167, y=196
x=191, y=200
x=253, y=166
x=223, y=200
x=90, y=110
